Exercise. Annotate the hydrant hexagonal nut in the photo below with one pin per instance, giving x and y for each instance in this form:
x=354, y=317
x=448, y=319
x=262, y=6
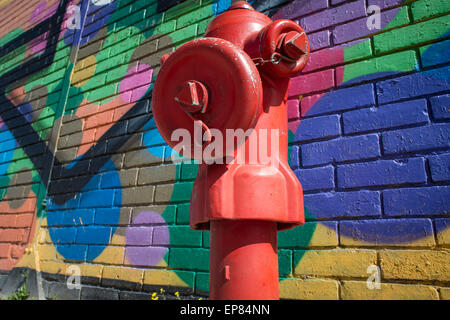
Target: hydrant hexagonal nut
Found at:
x=192, y=97
x=294, y=45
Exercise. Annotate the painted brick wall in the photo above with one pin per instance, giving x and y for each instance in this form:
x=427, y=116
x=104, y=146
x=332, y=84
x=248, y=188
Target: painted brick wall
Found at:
x=86, y=180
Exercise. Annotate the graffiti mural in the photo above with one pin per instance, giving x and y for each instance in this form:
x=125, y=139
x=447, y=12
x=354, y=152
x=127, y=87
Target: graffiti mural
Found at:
x=87, y=180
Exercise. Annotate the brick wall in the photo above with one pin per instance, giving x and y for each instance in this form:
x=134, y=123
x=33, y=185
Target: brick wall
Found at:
x=86, y=180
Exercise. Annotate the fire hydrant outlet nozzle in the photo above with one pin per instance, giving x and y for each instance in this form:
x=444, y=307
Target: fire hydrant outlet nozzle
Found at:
x=236, y=79
x=287, y=39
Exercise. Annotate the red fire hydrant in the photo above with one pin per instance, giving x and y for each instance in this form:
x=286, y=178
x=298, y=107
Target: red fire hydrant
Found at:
x=234, y=82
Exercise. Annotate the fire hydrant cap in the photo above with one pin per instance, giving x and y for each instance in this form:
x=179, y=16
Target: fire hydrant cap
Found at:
x=219, y=69
x=295, y=48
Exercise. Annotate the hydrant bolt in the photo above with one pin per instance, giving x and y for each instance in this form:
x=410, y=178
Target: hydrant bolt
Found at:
x=164, y=58
x=294, y=45
x=192, y=97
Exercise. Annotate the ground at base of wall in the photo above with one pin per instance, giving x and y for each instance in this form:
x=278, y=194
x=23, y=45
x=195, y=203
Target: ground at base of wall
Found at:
x=21, y=284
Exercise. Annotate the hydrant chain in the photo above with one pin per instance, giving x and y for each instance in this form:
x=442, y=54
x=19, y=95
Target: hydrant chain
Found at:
x=273, y=59
x=260, y=61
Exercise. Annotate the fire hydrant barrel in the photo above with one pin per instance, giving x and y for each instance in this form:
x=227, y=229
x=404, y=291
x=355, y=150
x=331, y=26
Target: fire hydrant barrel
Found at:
x=244, y=260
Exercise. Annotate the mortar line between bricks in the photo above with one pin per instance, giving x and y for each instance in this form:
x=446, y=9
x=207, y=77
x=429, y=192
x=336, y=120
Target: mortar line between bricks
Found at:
x=383, y=130
x=378, y=217
x=440, y=294
x=339, y=291
x=428, y=172
x=389, y=157
x=418, y=58
x=439, y=15
x=383, y=280
x=331, y=5
x=431, y=113
x=386, y=246
x=383, y=187
x=291, y=275
x=346, y=85
x=374, y=82
x=410, y=46
x=374, y=55
x=383, y=214
x=435, y=233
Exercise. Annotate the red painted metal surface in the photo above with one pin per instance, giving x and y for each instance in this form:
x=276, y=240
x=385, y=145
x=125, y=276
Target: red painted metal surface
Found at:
x=240, y=268
x=237, y=77
x=274, y=46
x=231, y=81
x=193, y=97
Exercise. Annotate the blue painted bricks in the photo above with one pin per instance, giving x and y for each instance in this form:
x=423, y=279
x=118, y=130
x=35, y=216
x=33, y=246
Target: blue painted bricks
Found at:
x=318, y=128
x=417, y=201
x=385, y=175
x=414, y=85
x=344, y=204
x=387, y=116
x=341, y=150
x=344, y=99
x=427, y=138
x=316, y=178
x=382, y=173
x=386, y=231
x=441, y=106
x=440, y=167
